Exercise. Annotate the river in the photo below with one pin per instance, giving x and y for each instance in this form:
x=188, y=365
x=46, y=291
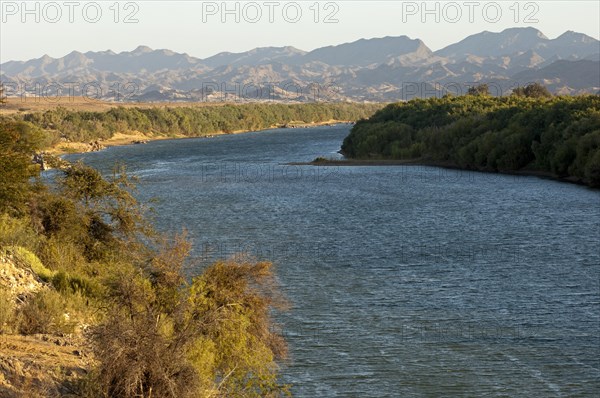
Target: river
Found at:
x=404, y=281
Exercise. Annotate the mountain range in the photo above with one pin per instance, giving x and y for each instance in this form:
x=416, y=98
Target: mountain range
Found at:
x=379, y=69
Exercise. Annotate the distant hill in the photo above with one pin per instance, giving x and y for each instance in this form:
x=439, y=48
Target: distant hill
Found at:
x=377, y=69
x=579, y=75
x=367, y=52
x=254, y=57
x=490, y=44
x=569, y=45
x=137, y=61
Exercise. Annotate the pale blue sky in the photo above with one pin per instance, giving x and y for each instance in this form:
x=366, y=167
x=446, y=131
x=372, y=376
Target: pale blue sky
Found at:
x=196, y=27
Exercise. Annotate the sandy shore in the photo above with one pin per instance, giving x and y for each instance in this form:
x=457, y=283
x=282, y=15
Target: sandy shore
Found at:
x=118, y=139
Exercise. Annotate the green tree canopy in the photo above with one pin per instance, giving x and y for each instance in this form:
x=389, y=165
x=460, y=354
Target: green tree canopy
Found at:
x=481, y=89
x=534, y=90
x=557, y=135
x=18, y=143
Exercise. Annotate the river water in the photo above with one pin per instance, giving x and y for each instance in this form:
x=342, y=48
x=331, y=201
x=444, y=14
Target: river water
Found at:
x=404, y=281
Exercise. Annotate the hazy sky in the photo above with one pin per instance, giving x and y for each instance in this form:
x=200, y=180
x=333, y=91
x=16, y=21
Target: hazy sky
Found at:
x=204, y=28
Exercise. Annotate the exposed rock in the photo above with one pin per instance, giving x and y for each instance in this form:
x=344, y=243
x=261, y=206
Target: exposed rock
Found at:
x=95, y=146
x=38, y=158
x=48, y=161
x=38, y=365
x=20, y=281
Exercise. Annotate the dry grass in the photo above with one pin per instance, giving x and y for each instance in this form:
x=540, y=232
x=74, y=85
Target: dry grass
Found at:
x=38, y=104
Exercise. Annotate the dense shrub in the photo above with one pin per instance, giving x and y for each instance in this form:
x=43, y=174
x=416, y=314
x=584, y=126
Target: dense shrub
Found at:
x=18, y=142
x=165, y=338
x=45, y=313
x=560, y=135
x=78, y=126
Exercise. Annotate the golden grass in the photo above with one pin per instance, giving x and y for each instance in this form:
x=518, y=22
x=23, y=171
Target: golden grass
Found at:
x=40, y=104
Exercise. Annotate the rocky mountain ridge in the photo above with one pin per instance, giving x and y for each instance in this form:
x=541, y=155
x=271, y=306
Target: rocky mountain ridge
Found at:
x=378, y=69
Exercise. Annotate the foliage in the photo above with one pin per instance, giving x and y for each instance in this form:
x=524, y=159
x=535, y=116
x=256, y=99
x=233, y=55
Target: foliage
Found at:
x=78, y=126
x=27, y=259
x=165, y=338
x=18, y=142
x=558, y=135
x=533, y=90
x=230, y=302
x=481, y=89
x=45, y=313
x=75, y=284
x=109, y=201
x=17, y=232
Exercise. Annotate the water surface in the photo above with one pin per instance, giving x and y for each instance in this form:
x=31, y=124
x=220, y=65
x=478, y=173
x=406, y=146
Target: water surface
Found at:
x=405, y=281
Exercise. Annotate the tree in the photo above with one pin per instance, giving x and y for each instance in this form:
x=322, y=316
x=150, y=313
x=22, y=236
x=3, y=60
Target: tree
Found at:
x=18, y=143
x=231, y=303
x=481, y=89
x=557, y=135
x=113, y=216
x=534, y=90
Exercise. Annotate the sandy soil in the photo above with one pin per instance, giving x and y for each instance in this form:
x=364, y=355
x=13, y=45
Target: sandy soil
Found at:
x=40, y=365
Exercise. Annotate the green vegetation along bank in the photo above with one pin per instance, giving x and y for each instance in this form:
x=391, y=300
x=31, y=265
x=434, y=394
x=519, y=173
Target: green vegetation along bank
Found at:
x=63, y=125
x=558, y=136
x=79, y=257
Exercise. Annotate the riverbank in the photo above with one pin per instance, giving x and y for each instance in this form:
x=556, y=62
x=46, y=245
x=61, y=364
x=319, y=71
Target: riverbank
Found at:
x=86, y=293
x=74, y=130
x=118, y=139
x=137, y=137
x=431, y=163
